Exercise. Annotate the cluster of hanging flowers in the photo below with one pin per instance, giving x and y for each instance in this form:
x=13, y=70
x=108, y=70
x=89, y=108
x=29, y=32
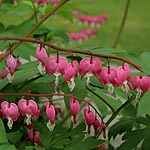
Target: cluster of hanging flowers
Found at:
x=30, y=110
x=83, y=35
x=88, y=67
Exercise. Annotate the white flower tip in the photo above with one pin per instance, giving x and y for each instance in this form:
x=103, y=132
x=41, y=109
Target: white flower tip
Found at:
x=28, y=119
x=10, y=123
x=125, y=86
x=10, y=77
x=41, y=68
x=71, y=84
x=50, y=126
x=110, y=89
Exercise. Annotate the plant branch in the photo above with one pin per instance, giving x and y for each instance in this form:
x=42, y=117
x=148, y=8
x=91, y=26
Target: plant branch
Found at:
x=114, y=115
x=103, y=100
x=21, y=39
x=30, y=32
x=122, y=24
x=48, y=95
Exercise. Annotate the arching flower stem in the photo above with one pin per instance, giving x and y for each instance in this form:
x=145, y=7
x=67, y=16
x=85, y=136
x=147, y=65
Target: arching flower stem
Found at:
x=64, y=50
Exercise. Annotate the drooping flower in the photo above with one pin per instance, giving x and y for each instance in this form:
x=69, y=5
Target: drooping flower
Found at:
x=70, y=72
x=122, y=76
x=12, y=64
x=56, y=65
x=90, y=67
x=139, y=83
x=109, y=77
x=29, y=109
x=41, y=55
x=34, y=137
x=50, y=113
x=75, y=108
x=89, y=117
x=38, y=2
x=96, y=125
x=10, y=111
x=103, y=127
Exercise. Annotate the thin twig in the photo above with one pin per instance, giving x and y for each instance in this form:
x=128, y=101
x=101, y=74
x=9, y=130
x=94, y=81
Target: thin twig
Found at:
x=122, y=24
x=114, y=115
x=103, y=100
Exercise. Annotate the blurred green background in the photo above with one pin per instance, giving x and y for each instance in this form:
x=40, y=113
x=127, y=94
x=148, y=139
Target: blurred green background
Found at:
x=136, y=33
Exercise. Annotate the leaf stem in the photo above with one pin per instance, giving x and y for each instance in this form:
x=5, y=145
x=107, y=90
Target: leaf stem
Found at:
x=114, y=115
x=122, y=24
x=103, y=100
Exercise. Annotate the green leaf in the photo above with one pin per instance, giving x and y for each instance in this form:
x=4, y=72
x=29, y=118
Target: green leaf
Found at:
x=7, y=147
x=143, y=107
x=145, y=56
x=143, y=120
x=133, y=138
x=120, y=127
x=86, y=144
x=34, y=148
x=14, y=137
x=61, y=143
x=130, y=111
x=3, y=83
x=24, y=3
x=25, y=51
x=3, y=136
x=46, y=137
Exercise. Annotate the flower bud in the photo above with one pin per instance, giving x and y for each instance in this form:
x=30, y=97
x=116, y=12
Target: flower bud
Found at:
x=74, y=107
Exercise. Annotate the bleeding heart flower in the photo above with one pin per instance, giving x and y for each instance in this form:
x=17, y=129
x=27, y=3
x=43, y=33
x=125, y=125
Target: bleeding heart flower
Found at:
x=89, y=117
x=12, y=64
x=139, y=83
x=96, y=125
x=50, y=113
x=103, y=127
x=109, y=77
x=90, y=67
x=70, y=72
x=41, y=55
x=34, y=137
x=29, y=109
x=74, y=107
x=122, y=76
x=56, y=65
x=9, y=111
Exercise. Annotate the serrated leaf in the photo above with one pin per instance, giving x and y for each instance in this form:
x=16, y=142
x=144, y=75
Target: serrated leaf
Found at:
x=143, y=120
x=86, y=144
x=120, y=127
x=133, y=138
x=130, y=110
